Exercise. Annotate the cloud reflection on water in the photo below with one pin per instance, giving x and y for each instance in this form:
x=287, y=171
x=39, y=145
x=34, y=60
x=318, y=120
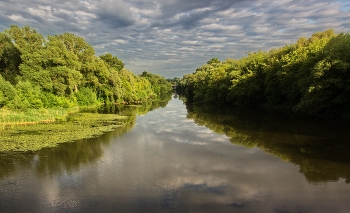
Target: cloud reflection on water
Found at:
x=164, y=175
x=168, y=163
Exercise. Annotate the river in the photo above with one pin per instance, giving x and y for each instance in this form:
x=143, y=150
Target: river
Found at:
x=188, y=159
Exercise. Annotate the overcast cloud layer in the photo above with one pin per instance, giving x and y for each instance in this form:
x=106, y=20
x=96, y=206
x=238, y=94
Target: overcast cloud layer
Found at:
x=174, y=37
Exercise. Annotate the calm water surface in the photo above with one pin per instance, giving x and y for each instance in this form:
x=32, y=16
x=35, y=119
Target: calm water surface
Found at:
x=175, y=159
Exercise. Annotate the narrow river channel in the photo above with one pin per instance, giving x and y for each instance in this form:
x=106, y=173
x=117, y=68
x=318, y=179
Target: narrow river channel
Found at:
x=178, y=159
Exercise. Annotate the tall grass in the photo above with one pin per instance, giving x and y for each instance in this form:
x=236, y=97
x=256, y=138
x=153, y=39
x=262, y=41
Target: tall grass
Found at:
x=9, y=118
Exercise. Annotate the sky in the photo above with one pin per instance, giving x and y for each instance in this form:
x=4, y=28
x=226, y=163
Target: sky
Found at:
x=174, y=37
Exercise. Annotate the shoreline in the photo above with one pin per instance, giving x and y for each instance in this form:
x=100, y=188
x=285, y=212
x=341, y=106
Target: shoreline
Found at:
x=24, y=138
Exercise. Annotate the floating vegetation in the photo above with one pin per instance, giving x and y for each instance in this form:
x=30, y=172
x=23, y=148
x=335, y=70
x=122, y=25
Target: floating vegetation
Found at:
x=77, y=126
x=55, y=126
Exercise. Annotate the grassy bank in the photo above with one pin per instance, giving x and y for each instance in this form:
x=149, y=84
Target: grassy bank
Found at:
x=9, y=118
x=17, y=137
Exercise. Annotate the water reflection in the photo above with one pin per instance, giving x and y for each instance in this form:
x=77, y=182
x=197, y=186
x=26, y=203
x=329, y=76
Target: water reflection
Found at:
x=320, y=147
x=68, y=157
x=135, y=109
x=168, y=163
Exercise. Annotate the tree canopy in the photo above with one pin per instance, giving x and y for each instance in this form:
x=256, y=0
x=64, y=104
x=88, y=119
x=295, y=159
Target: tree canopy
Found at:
x=63, y=71
x=311, y=76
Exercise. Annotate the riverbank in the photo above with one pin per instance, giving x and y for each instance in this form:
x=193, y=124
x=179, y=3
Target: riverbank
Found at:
x=39, y=128
x=50, y=134
x=10, y=118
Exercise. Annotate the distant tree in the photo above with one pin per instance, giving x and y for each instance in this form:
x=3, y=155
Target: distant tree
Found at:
x=174, y=80
x=159, y=84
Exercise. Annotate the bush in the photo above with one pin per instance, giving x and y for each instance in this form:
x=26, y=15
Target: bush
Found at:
x=7, y=92
x=52, y=101
x=85, y=97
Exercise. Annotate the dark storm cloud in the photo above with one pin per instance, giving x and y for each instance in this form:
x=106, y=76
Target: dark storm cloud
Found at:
x=174, y=37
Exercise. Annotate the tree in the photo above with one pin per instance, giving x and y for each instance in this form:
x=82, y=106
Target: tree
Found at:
x=27, y=40
x=30, y=44
x=329, y=92
x=112, y=61
x=311, y=76
x=27, y=96
x=84, y=51
x=7, y=92
x=213, y=61
x=160, y=86
x=37, y=72
x=10, y=59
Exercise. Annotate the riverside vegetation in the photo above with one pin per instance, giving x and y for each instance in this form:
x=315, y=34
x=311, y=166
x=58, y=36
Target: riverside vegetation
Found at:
x=48, y=80
x=311, y=77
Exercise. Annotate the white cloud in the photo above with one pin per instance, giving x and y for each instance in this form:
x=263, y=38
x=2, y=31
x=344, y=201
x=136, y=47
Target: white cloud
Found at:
x=217, y=39
x=16, y=18
x=173, y=37
x=119, y=41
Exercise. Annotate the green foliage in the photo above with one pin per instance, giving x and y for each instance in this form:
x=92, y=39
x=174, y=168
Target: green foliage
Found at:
x=27, y=40
x=52, y=101
x=78, y=46
x=42, y=80
x=66, y=73
x=208, y=84
x=10, y=118
x=7, y=92
x=78, y=126
x=311, y=76
x=160, y=86
x=247, y=80
x=27, y=97
x=174, y=81
x=18, y=132
x=112, y=61
x=85, y=97
x=10, y=59
x=329, y=91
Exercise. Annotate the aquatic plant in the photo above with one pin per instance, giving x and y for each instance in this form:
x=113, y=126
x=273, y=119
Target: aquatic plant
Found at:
x=77, y=126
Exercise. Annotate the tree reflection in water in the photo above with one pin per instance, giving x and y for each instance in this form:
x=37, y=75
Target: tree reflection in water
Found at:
x=69, y=157
x=318, y=146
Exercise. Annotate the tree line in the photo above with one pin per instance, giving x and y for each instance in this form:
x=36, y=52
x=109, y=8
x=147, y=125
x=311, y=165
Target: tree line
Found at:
x=311, y=76
x=63, y=71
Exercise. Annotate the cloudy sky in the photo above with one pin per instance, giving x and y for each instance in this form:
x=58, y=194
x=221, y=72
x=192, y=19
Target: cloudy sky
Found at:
x=174, y=37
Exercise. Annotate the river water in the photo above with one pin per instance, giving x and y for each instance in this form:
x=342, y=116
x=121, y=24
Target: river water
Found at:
x=188, y=159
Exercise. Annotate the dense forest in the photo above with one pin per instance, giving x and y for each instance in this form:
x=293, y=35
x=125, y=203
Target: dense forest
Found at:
x=62, y=71
x=311, y=76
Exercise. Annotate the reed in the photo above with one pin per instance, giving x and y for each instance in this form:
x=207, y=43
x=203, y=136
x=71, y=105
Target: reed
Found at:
x=10, y=118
